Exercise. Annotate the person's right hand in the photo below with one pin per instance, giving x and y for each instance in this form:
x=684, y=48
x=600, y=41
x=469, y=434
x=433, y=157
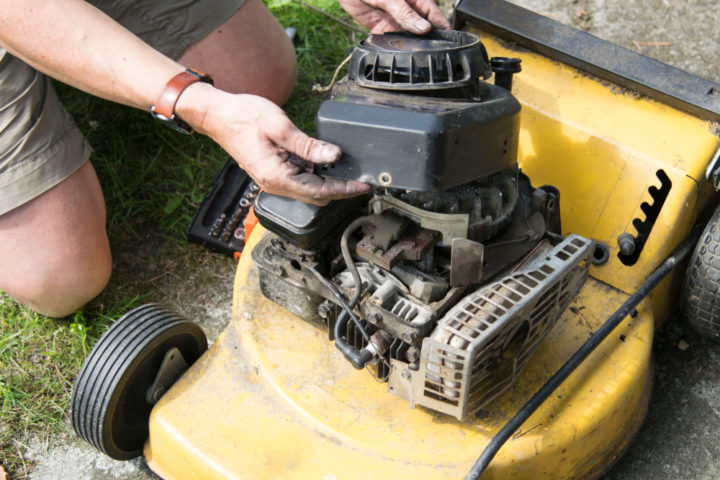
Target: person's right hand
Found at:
x=382, y=16
x=267, y=145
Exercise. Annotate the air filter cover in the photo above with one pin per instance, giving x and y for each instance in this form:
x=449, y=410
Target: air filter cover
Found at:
x=441, y=59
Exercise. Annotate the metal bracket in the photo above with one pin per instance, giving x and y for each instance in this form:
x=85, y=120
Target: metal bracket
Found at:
x=449, y=225
x=172, y=368
x=466, y=262
x=712, y=174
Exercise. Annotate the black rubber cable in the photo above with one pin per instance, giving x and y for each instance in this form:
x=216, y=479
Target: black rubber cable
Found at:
x=677, y=256
x=358, y=358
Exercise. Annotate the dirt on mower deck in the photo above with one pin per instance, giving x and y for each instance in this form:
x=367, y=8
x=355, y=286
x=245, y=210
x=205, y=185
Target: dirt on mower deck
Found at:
x=679, y=439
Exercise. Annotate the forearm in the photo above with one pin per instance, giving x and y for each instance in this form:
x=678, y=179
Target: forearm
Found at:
x=74, y=42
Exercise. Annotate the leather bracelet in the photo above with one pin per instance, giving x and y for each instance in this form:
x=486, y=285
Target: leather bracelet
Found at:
x=164, y=108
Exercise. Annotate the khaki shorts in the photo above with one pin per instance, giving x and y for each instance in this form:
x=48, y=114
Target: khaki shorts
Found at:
x=40, y=145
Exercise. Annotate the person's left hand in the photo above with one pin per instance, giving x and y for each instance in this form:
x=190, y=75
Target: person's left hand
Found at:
x=381, y=16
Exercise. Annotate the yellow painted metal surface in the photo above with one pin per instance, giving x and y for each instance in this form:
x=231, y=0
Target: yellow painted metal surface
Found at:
x=273, y=399
x=601, y=146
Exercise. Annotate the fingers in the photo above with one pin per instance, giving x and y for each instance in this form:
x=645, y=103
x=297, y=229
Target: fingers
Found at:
x=415, y=16
x=263, y=140
x=404, y=15
x=310, y=188
x=320, y=190
x=289, y=173
x=294, y=140
x=430, y=10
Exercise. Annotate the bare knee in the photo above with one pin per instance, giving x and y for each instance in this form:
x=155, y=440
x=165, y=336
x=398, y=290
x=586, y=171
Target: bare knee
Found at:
x=54, y=251
x=59, y=287
x=280, y=75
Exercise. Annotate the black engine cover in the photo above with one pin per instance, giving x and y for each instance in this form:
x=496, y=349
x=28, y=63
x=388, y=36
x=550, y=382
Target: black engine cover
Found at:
x=419, y=142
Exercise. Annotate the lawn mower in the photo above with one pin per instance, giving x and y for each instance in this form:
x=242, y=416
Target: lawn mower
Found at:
x=486, y=312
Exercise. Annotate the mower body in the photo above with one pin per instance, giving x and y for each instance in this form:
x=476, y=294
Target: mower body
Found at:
x=272, y=398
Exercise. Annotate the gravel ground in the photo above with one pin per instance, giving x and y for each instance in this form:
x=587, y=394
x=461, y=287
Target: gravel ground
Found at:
x=681, y=436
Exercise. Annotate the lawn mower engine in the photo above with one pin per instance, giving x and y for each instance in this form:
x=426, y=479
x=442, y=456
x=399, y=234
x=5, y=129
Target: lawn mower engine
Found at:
x=447, y=277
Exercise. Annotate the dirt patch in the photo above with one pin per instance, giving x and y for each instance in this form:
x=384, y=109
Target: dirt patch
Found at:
x=186, y=277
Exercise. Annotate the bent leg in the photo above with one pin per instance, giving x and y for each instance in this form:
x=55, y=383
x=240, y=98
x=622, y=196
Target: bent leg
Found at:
x=248, y=53
x=54, y=251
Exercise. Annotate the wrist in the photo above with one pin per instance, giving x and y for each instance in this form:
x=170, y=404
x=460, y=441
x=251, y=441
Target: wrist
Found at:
x=193, y=105
x=165, y=107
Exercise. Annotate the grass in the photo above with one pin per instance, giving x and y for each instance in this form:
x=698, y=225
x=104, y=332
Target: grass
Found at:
x=153, y=180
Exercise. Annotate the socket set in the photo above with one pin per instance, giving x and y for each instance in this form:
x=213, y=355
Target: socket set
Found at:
x=219, y=222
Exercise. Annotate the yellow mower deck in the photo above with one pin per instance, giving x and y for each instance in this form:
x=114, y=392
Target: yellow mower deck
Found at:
x=273, y=398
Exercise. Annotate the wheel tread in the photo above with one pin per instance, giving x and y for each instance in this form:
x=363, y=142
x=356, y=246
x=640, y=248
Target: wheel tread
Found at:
x=110, y=359
x=700, y=300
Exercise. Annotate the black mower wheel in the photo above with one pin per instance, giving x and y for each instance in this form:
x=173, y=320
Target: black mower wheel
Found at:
x=701, y=289
x=110, y=409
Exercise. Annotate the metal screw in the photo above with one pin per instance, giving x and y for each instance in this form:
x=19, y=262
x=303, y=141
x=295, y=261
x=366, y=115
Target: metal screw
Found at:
x=385, y=179
x=409, y=337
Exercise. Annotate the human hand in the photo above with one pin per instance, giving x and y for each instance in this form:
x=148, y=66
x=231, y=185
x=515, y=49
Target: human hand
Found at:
x=273, y=151
x=381, y=16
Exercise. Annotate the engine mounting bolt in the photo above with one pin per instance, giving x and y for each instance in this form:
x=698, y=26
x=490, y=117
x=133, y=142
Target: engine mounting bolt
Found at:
x=413, y=356
x=409, y=337
x=405, y=374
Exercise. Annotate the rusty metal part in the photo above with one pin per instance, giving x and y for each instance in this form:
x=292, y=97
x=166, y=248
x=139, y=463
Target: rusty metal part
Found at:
x=385, y=229
x=379, y=343
x=412, y=247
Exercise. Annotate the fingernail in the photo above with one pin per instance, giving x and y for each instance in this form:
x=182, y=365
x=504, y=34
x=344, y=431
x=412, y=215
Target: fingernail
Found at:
x=422, y=25
x=330, y=153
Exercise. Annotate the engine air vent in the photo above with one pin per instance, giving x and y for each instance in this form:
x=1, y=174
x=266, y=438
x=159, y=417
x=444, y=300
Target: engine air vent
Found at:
x=442, y=59
x=480, y=346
